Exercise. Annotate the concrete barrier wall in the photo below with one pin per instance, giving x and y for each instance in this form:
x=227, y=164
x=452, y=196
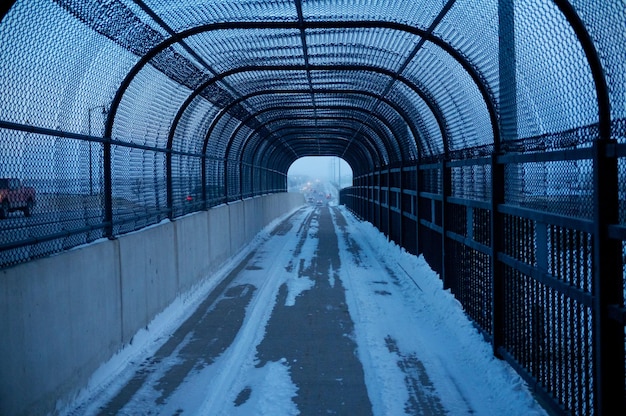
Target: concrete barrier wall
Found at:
x=149, y=281
x=254, y=220
x=193, y=250
x=65, y=315
x=60, y=319
x=219, y=236
x=237, y=230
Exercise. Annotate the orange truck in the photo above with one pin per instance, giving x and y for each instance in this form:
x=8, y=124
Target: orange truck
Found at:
x=15, y=196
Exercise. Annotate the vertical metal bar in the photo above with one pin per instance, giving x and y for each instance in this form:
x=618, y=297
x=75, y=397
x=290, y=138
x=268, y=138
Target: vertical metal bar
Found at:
x=370, y=197
x=108, y=174
x=401, y=203
x=249, y=178
x=446, y=182
x=607, y=286
x=241, y=181
x=469, y=222
x=497, y=243
x=379, y=217
x=169, y=185
x=204, y=178
x=541, y=243
x=418, y=189
x=507, y=68
x=388, y=219
x=364, y=183
x=226, y=180
x=608, y=333
x=108, y=187
x=507, y=131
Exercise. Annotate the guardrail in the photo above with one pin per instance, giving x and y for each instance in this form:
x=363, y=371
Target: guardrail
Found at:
x=525, y=268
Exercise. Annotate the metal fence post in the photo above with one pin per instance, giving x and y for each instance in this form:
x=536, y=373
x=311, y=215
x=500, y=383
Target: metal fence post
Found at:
x=226, y=192
x=169, y=185
x=446, y=182
x=204, y=178
x=607, y=285
x=108, y=187
x=497, y=238
x=507, y=131
x=418, y=183
x=401, y=203
x=388, y=219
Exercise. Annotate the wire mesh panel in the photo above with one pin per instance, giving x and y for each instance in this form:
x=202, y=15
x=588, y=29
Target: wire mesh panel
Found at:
x=562, y=187
x=50, y=195
x=472, y=181
x=139, y=188
x=519, y=239
x=472, y=282
x=186, y=185
x=550, y=335
x=215, y=188
x=468, y=266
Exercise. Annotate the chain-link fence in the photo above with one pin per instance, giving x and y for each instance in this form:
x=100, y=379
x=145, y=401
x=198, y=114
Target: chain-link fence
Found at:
x=542, y=316
x=529, y=233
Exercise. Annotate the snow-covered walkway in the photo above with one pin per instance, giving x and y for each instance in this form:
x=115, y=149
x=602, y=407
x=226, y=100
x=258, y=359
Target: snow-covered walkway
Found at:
x=319, y=315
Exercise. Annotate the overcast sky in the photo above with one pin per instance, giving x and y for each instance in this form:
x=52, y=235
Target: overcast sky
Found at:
x=320, y=167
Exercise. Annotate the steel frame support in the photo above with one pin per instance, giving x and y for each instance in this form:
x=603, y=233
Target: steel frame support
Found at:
x=497, y=244
x=418, y=189
x=378, y=152
x=401, y=204
x=608, y=290
x=325, y=91
x=108, y=186
x=388, y=183
x=508, y=131
x=446, y=184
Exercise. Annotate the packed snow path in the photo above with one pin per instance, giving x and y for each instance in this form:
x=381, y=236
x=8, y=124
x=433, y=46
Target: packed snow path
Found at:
x=320, y=315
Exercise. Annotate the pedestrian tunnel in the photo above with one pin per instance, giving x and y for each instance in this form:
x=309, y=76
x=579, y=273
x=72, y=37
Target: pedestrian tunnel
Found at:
x=488, y=137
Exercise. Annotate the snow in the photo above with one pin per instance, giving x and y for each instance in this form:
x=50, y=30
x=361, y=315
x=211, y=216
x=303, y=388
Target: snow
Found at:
x=405, y=324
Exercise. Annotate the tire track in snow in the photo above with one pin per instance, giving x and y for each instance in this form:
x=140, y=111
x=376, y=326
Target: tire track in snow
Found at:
x=378, y=349
x=226, y=382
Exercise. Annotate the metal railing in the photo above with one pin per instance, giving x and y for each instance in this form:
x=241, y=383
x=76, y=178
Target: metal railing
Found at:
x=70, y=202
x=526, y=273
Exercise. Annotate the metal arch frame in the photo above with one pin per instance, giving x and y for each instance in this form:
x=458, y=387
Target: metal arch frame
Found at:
x=608, y=338
x=310, y=107
x=186, y=104
x=380, y=153
x=370, y=143
x=369, y=147
x=333, y=149
x=396, y=107
x=434, y=108
x=325, y=131
x=364, y=152
x=477, y=78
x=400, y=111
x=244, y=122
x=437, y=113
x=340, y=139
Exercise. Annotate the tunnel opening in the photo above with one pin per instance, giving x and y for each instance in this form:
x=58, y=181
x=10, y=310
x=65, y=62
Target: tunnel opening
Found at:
x=319, y=178
x=324, y=168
